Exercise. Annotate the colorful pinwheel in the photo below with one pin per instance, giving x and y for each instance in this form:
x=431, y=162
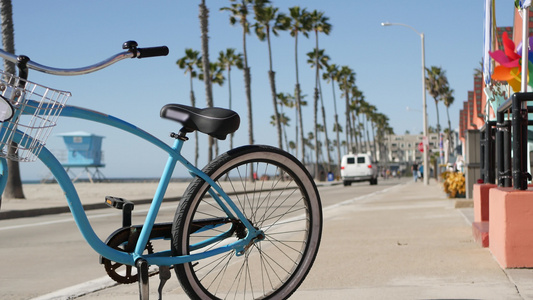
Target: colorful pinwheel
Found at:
x=509, y=68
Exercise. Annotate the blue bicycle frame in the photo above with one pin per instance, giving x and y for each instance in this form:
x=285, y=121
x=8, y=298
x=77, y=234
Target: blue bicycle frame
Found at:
x=163, y=258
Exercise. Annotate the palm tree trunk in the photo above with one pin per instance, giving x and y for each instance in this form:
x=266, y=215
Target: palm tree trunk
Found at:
x=315, y=104
x=374, y=146
x=338, y=142
x=353, y=121
x=300, y=123
x=196, y=146
x=348, y=125
x=315, y=121
x=272, y=78
x=368, y=139
x=337, y=125
x=283, y=128
x=359, y=138
x=365, y=131
x=14, y=183
x=437, y=108
x=438, y=131
x=230, y=104
x=286, y=138
x=353, y=135
x=204, y=16
x=248, y=89
x=448, y=115
x=298, y=101
x=297, y=126
x=323, y=109
x=449, y=132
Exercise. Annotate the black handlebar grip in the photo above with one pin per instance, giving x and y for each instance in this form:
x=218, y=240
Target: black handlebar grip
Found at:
x=152, y=51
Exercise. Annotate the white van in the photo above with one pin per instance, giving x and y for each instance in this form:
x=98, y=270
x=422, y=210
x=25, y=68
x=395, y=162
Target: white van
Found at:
x=358, y=167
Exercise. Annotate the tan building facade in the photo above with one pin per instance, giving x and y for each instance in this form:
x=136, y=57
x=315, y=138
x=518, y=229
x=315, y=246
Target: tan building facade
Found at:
x=405, y=148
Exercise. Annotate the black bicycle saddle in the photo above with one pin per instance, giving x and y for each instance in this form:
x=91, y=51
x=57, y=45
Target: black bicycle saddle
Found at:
x=215, y=121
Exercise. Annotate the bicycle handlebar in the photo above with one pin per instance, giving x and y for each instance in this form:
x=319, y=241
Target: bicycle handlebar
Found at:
x=131, y=53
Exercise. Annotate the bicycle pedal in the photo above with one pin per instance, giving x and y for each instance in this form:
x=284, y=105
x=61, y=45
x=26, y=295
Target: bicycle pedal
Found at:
x=122, y=204
x=118, y=203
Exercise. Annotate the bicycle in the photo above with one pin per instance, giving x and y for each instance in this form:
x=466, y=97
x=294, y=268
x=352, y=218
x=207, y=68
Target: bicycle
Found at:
x=256, y=240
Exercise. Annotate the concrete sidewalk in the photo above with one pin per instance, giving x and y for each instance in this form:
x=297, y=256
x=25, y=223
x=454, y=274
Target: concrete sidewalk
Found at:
x=405, y=242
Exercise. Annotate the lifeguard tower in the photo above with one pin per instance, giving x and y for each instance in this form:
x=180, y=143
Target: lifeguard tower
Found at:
x=84, y=151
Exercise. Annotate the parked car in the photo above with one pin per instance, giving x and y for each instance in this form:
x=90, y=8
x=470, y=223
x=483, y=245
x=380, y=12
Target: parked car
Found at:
x=358, y=167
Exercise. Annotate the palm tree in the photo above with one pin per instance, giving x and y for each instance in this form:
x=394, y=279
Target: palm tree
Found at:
x=215, y=76
x=311, y=146
x=298, y=22
x=289, y=100
x=284, y=120
x=13, y=188
x=332, y=75
x=318, y=23
x=8, y=33
x=318, y=60
x=360, y=112
x=190, y=62
x=268, y=20
x=227, y=60
x=204, y=17
x=381, y=126
x=368, y=110
x=215, y=73
x=435, y=83
x=239, y=10
x=447, y=98
x=285, y=100
x=320, y=144
x=355, y=103
x=346, y=82
x=373, y=118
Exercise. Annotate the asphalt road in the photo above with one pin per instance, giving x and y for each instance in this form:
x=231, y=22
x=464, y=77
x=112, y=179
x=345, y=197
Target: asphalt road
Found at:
x=42, y=255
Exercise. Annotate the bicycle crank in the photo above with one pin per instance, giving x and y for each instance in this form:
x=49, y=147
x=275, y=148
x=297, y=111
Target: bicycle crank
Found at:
x=122, y=240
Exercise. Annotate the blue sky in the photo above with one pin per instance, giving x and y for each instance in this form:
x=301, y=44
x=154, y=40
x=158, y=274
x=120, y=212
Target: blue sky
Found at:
x=387, y=62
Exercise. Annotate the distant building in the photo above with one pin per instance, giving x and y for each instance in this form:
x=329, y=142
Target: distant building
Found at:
x=404, y=148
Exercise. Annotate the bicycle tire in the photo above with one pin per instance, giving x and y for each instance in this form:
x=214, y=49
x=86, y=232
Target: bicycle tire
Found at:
x=273, y=268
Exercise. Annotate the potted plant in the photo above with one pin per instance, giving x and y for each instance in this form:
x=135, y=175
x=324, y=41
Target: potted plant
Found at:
x=454, y=184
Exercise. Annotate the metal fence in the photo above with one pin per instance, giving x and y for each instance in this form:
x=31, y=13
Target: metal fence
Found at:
x=505, y=141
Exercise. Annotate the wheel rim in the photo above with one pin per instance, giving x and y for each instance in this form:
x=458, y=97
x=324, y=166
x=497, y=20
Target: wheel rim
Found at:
x=278, y=205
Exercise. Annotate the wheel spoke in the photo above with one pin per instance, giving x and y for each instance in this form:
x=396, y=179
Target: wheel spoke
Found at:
x=277, y=196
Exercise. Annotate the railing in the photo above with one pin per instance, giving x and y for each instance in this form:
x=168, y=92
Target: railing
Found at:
x=508, y=134
x=487, y=156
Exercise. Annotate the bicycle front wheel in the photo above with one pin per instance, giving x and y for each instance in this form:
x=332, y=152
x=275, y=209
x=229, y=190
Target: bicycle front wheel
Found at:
x=278, y=196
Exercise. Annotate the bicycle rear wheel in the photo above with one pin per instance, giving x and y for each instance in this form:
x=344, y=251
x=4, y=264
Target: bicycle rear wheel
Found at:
x=277, y=195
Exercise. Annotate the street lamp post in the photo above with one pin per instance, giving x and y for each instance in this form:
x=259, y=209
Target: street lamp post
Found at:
x=424, y=106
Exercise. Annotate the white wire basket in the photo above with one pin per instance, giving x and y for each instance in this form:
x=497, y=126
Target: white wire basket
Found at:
x=41, y=106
